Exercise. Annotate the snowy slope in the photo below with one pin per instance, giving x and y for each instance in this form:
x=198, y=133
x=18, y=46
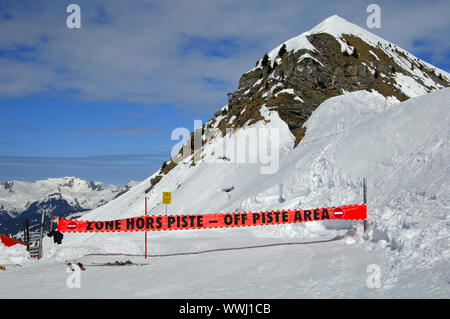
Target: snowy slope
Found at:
x=401, y=150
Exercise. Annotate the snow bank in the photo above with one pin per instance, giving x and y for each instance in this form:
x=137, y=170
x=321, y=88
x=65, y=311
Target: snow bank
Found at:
x=402, y=151
x=16, y=254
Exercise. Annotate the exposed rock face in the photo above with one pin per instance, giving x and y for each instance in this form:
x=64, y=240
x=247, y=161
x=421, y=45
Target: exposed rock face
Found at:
x=313, y=77
x=333, y=58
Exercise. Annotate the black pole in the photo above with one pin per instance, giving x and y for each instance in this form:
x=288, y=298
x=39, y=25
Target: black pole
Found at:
x=26, y=233
x=365, y=201
x=41, y=235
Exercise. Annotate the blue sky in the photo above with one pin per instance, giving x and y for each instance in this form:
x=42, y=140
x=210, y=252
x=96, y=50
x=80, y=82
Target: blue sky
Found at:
x=100, y=102
x=112, y=142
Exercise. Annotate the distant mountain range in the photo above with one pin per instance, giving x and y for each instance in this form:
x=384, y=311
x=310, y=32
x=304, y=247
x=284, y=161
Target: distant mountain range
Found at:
x=67, y=196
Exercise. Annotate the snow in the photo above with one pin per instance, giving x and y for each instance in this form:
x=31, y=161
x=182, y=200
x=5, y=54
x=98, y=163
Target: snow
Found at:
x=258, y=82
x=408, y=85
x=337, y=27
x=16, y=254
x=221, y=274
x=308, y=56
x=294, y=44
x=402, y=150
x=373, y=53
x=290, y=91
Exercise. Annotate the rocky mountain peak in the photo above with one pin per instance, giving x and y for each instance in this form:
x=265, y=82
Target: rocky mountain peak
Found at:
x=333, y=58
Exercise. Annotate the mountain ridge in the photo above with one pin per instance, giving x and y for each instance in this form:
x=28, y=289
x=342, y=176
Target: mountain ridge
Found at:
x=65, y=196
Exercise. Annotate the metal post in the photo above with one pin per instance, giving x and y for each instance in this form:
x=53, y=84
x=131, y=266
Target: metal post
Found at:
x=365, y=200
x=26, y=233
x=145, y=229
x=42, y=234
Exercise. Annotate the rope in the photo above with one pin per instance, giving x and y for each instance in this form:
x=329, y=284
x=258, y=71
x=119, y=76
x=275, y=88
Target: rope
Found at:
x=220, y=249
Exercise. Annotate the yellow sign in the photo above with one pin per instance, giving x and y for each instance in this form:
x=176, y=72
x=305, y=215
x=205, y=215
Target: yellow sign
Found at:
x=167, y=198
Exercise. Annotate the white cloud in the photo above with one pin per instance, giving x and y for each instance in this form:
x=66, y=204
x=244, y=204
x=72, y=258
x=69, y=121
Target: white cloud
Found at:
x=133, y=50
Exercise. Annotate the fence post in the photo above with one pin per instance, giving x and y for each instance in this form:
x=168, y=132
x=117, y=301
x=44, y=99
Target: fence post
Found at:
x=365, y=201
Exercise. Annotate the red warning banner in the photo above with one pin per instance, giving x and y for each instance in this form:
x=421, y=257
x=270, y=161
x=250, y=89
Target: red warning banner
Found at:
x=8, y=241
x=180, y=222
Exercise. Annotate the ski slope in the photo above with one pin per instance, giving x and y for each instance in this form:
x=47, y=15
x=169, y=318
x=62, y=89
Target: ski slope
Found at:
x=401, y=150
